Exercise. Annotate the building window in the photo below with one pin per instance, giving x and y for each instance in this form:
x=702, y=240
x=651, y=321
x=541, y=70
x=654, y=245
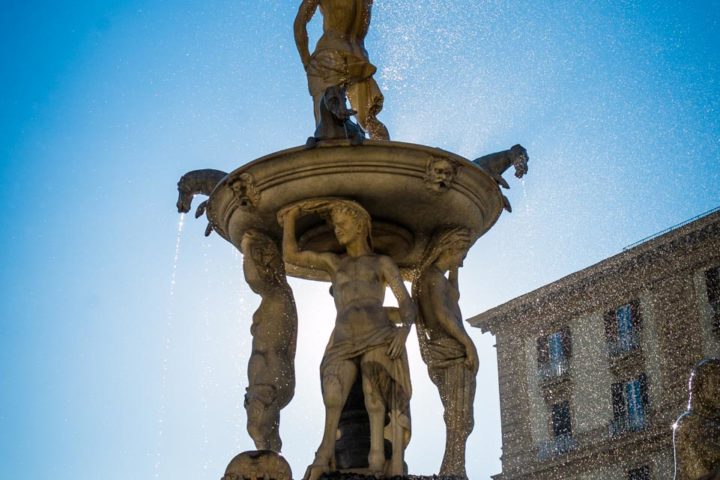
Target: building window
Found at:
x=554, y=352
x=562, y=440
x=561, y=423
x=630, y=405
x=622, y=329
x=642, y=473
x=712, y=281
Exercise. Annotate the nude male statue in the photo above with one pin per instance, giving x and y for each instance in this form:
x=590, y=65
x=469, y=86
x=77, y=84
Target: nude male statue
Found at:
x=364, y=340
x=340, y=58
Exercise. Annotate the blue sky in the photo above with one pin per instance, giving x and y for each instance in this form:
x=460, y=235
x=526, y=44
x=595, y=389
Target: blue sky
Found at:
x=106, y=366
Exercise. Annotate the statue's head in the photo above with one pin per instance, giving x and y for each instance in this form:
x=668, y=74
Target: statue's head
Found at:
x=447, y=249
x=262, y=262
x=705, y=387
x=519, y=160
x=350, y=221
x=440, y=174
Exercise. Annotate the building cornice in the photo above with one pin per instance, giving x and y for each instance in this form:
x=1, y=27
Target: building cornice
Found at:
x=653, y=252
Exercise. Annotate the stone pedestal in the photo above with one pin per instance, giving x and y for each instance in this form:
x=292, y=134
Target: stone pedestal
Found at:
x=258, y=465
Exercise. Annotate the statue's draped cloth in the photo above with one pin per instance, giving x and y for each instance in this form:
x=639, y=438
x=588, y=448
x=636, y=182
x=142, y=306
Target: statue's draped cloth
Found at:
x=390, y=377
x=328, y=68
x=445, y=359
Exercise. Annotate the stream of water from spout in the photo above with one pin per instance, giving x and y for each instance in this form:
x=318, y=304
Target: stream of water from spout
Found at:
x=169, y=320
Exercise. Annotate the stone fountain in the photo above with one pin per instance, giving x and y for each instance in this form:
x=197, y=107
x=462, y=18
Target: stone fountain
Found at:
x=363, y=214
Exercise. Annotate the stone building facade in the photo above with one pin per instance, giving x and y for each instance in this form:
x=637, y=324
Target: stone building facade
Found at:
x=593, y=368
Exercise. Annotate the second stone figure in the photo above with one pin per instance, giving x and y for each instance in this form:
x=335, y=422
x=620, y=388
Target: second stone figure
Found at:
x=365, y=341
x=445, y=346
x=271, y=369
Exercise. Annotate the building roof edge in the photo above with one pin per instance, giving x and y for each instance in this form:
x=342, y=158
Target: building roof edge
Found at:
x=490, y=319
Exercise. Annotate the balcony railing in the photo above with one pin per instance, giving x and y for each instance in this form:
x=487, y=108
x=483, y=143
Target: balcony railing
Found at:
x=559, y=445
x=621, y=345
x=553, y=369
x=622, y=425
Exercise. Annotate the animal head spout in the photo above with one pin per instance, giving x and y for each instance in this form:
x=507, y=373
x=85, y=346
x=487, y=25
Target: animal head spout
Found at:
x=519, y=160
x=185, y=196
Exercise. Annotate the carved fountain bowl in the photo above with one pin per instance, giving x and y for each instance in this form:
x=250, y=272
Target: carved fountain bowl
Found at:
x=389, y=179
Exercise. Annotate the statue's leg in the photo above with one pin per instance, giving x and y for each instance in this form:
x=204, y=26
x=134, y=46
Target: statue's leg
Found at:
x=316, y=108
x=376, y=413
x=263, y=417
x=337, y=379
x=374, y=376
x=274, y=442
x=365, y=98
x=457, y=393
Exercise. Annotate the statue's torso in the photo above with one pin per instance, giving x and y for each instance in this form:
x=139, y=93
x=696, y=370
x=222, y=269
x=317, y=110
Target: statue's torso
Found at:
x=359, y=293
x=343, y=26
x=274, y=326
x=429, y=313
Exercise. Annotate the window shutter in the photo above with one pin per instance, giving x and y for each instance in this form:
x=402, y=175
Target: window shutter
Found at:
x=642, y=473
x=542, y=350
x=611, y=326
x=635, y=315
x=561, y=419
x=712, y=280
x=618, y=400
x=566, y=342
x=644, y=390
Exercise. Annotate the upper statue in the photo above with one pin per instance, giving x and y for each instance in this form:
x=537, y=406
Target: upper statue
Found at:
x=340, y=58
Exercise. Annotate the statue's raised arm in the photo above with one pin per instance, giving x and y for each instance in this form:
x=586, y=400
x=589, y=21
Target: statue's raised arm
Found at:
x=406, y=306
x=291, y=252
x=305, y=13
x=364, y=20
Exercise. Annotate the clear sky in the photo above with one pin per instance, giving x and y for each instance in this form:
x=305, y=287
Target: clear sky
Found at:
x=108, y=368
